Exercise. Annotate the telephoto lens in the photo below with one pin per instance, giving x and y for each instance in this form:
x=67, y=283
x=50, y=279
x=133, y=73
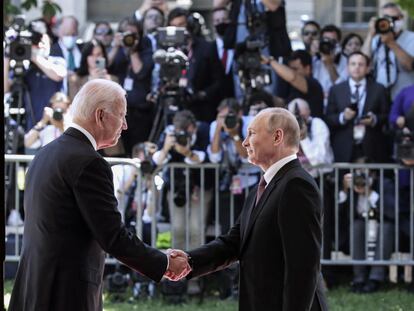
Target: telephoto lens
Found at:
x=57, y=114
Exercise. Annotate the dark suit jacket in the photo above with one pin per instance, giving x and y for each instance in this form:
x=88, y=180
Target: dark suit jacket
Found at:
x=226, y=84
x=71, y=221
x=278, y=248
x=373, y=144
x=204, y=75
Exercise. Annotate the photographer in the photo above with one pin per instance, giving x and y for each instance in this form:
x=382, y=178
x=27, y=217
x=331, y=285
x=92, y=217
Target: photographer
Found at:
x=310, y=33
x=53, y=123
x=93, y=65
x=357, y=111
x=185, y=141
x=315, y=146
x=391, y=48
x=323, y=63
x=298, y=74
x=131, y=61
x=103, y=33
x=227, y=133
x=351, y=43
x=366, y=233
x=34, y=84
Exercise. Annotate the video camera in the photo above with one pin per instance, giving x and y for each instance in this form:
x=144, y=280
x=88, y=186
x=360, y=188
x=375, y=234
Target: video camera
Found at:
x=405, y=144
x=20, y=38
x=170, y=57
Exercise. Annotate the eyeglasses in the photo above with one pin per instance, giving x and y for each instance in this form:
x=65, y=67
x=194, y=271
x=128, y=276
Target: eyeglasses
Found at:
x=312, y=33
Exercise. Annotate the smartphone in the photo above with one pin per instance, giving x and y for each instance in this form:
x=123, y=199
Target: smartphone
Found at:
x=365, y=116
x=100, y=63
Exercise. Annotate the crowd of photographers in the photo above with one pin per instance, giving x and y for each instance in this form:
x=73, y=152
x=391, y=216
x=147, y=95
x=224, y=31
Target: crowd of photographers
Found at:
x=191, y=96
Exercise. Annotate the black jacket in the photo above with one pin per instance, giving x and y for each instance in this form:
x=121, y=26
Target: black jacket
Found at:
x=278, y=247
x=71, y=221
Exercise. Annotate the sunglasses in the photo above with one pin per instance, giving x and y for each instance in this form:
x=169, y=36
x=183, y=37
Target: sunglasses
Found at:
x=312, y=33
x=103, y=32
x=393, y=18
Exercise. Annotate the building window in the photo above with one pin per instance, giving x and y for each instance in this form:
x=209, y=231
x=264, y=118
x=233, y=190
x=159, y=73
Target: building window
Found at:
x=358, y=11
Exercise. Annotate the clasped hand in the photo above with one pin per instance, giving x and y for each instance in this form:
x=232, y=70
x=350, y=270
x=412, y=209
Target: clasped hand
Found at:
x=178, y=267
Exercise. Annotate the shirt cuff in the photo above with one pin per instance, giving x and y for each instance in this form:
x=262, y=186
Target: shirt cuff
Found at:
x=342, y=197
x=341, y=118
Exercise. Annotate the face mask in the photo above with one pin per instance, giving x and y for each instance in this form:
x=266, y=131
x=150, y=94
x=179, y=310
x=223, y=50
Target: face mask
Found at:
x=221, y=28
x=398, y=25
x=69, y=41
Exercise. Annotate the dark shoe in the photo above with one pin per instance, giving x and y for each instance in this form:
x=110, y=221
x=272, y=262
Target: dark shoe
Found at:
x=371, y=287
x=356, y=287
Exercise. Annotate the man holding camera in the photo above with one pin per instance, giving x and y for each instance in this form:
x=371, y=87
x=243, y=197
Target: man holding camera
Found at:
x=131, y=61
x=323, y=62
x=43, y=77
x=185, y=141
x=391, y=48
x=356, y=113
x=227, y=133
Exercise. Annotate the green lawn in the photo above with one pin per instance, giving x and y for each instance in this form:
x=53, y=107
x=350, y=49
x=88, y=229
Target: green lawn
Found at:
x=393, y=298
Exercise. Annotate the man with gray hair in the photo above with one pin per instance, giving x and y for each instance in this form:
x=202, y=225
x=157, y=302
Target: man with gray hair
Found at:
x=71, y=213
x=277, y=239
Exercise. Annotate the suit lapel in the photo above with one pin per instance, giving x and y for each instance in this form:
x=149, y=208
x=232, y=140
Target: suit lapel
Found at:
x=260, y=205
x=368, y=102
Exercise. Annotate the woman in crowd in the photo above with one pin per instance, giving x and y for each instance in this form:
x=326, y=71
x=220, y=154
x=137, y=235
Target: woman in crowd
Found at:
x=93, y=65
x=351, y=43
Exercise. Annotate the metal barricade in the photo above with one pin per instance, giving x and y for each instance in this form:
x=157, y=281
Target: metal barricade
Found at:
x=206, y=177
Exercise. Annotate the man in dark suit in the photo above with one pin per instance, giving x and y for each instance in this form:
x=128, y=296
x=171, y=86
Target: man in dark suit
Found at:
x=356, y=114
x=71, y=213
x=277, y=239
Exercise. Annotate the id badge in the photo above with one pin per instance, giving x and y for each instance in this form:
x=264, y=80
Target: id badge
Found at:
x=359, y=132
x=236, y=185
x=128, y=84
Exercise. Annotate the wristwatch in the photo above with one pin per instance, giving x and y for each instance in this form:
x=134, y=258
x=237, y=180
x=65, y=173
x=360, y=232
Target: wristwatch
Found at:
x=236, y=138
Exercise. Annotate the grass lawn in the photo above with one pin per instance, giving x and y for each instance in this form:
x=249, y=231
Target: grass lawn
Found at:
x=393, y=298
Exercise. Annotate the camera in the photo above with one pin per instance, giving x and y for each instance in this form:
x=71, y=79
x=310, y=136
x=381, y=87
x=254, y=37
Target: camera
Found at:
x=129, y=39
x=57, y=114
x=21, y=38
x=231, y=120
x=384, y=25
x=117, y=282
x=181, y=137
x=100, y=63
x=172, y=62
x=180, y=198
x=405, y=145
x=327, y=46
x=171, y=36
x=360, y=180
x=249, y=64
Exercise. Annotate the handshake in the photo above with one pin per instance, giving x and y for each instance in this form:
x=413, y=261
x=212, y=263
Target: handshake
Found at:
x=178, y=265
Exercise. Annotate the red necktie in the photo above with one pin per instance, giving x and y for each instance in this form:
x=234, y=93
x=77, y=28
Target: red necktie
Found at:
x=224, y=59
x=260, y=189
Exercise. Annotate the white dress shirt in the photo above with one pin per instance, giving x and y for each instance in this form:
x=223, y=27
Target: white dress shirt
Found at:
x=275, y=167
x=86, y=133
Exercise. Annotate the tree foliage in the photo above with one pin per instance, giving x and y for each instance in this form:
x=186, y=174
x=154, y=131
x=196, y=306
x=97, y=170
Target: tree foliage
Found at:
x=49, y=8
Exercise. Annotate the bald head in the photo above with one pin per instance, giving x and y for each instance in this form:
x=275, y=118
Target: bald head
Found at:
x=97, y=93
x=302, y=105
x=281, y=118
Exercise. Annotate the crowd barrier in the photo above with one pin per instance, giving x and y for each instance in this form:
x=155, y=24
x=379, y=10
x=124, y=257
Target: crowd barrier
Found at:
x=196, y=189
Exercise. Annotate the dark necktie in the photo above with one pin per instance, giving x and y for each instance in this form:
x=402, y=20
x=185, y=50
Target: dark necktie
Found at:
x=224, y=59
x=71, y=60
x=260, y=189
x=357, y=95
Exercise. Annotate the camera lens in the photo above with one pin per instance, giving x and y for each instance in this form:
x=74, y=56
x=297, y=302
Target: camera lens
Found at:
x=383, y=25
x=230, y=121
x=58, y=114
x=129, y=39
x=326, y=46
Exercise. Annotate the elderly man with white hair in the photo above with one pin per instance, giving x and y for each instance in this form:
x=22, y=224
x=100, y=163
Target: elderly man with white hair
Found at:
x=315, y=147
x=71, y=213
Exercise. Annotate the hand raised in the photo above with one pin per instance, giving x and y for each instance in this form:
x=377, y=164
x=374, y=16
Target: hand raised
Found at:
x=178, y=267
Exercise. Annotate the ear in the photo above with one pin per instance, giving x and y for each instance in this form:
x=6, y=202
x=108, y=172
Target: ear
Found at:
x=99, y=115
x=278, y=137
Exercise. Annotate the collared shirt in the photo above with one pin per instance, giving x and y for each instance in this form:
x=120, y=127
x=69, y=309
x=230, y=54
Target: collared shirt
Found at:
x=362, y=90
x=86, y=133
x=275, y=167
x=220, y=51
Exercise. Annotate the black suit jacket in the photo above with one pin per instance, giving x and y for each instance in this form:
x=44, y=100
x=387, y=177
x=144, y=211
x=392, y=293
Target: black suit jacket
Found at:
x=278, y=247
x=373, y=143
x=71, y=221
x=226, y=83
